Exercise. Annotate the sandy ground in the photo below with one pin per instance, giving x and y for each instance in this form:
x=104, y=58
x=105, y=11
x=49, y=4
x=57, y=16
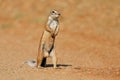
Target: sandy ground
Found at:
x=88, y=44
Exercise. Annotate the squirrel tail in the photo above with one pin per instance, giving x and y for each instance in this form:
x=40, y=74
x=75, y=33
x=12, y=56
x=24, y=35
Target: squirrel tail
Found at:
x=31, y=63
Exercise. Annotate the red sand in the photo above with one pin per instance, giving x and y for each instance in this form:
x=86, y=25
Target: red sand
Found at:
x=88, y=44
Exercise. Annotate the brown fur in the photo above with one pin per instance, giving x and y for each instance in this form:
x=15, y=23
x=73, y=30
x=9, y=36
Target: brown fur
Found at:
x=46, y=46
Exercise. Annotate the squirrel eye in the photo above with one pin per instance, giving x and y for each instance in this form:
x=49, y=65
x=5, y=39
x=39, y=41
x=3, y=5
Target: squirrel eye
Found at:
x=53, y=11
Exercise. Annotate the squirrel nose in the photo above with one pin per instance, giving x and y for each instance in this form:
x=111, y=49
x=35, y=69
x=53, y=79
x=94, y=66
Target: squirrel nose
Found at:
x=59, y=14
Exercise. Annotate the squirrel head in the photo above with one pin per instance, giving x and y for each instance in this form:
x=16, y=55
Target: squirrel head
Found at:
x=54, y=14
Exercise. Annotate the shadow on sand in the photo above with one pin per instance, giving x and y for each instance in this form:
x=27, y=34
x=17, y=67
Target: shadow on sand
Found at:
x=58, y=65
